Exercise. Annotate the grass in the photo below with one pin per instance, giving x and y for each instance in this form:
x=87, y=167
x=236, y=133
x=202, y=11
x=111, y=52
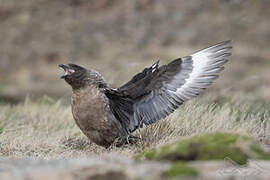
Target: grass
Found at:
x=45, y=128
x=180, y=169
x=211, y=146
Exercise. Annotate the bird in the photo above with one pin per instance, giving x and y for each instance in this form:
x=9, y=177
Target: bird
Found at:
x=106, y=114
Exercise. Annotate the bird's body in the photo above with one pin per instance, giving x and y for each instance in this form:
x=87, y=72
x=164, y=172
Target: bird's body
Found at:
x=91, y=111
x=105, y=114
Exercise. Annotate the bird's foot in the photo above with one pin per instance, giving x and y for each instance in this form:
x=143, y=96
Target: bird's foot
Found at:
x=130, y=139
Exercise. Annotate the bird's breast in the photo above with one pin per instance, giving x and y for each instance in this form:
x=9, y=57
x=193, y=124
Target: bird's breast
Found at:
x=90, y=108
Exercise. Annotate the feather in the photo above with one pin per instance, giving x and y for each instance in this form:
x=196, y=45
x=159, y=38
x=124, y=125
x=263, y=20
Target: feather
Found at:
x=157, y=91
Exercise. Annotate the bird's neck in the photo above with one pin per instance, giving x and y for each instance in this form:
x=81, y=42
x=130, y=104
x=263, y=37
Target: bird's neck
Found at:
x=87, y=98
x=88, y=91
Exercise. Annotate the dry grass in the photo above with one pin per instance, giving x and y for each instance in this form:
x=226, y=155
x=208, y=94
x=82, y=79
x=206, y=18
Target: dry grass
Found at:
x=46, y=129
x=108, y=42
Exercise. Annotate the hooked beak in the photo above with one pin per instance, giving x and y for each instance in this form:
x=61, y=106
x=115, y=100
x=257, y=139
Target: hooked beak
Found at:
x=68, y=70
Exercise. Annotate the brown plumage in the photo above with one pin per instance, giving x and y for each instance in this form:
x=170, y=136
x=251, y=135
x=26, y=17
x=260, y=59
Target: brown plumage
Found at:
x=105, y=114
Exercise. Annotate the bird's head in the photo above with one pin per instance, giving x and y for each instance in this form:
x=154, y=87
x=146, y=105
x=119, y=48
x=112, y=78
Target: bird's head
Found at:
x=78, y=77
x=74, y=74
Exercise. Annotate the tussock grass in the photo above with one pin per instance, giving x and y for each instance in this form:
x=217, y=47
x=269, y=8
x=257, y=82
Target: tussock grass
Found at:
x=46, y=129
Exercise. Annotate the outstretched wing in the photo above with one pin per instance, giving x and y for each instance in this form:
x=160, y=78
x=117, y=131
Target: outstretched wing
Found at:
x=156, y=92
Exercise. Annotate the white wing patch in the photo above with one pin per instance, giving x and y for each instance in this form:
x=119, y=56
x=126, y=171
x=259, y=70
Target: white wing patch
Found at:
x=206, y=63
x=154, y=67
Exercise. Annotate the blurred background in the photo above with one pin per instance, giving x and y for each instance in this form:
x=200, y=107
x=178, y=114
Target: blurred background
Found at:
x=120, y=37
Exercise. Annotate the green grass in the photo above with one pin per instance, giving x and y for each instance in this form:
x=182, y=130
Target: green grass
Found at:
x=45, y=128
x=212, y=146
x=180, y=169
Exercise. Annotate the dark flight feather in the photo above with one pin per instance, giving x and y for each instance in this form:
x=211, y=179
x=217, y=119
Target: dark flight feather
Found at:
x=157, y=91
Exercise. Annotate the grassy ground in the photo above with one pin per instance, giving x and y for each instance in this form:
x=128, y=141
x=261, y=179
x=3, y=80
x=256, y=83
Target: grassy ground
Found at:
x=239, y=102
x=119, y=41
x=45, y=128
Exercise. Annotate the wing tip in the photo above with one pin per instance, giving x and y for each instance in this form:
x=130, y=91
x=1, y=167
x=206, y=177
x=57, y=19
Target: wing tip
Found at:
x=227, y=42
x=216, y=47
x=223, y=44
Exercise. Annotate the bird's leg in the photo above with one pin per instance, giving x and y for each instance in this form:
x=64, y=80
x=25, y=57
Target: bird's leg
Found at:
x=120, y=141
x=129, y=139
x=134, y=139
